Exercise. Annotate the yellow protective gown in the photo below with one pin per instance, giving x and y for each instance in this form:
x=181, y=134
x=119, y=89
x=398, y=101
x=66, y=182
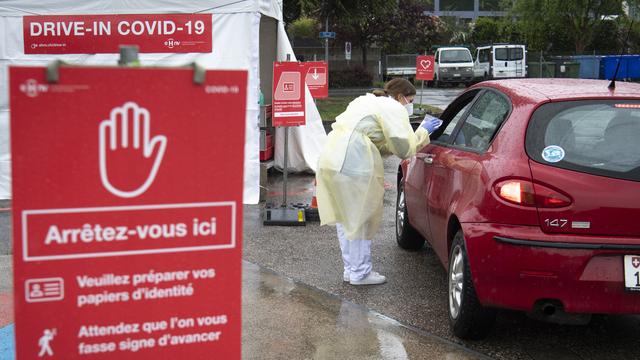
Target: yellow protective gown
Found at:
x=350, y=174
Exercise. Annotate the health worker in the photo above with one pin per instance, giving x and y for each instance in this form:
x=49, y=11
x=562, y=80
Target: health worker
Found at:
x=350, y=174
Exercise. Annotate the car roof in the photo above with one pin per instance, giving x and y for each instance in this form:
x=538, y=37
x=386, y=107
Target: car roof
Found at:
x=542, y=90
x=453, y=48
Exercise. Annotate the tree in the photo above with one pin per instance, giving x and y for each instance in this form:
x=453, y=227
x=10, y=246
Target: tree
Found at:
x=291, y=10
x=543, y=20
x=486, y=31
x=367, y=24
x=361, y=22
x=411, y=31
x=304, y=27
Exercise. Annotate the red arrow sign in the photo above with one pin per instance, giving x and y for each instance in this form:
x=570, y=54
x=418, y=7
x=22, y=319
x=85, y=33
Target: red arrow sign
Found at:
x=317, y=78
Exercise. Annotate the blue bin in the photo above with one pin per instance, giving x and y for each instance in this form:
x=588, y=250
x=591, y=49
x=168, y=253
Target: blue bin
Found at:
x=629, y=67
x=589, y=66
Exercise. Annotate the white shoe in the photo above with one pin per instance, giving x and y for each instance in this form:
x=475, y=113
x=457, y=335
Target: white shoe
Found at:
x=372, y=279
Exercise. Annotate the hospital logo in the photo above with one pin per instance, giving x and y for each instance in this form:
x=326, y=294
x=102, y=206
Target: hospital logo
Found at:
x=171, y=43
x=32, y=88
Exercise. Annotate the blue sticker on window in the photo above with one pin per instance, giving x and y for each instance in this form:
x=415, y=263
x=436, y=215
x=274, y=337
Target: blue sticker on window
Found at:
x=553, y=153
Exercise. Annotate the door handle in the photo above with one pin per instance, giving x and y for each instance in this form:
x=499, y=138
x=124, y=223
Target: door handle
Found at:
x=426, y=158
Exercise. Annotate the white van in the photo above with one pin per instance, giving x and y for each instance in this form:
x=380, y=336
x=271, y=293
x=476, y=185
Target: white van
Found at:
x=454, y=65
x=500, y=61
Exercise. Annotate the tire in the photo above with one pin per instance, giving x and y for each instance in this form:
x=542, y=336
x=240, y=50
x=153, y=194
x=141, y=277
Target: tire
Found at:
x=467, y=317
x=407, y=237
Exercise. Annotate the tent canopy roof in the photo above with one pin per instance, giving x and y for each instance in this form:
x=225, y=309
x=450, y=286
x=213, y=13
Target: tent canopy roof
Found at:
x=271, y=8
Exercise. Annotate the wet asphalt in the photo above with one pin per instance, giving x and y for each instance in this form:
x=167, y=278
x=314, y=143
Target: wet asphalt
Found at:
x=415, y=294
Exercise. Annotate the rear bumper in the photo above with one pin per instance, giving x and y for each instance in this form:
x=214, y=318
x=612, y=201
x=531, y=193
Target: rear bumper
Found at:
x=516, y=266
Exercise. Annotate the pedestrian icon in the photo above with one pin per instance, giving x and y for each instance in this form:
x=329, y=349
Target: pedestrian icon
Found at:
x=45, y=342
x=41, y=290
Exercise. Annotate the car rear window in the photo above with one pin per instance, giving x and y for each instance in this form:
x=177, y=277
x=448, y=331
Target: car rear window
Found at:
x=502, y=54
x=594, y=137
x=505, y=54
x=516, y=54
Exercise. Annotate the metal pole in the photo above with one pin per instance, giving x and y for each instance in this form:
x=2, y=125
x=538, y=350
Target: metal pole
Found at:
x=422, y=87
x=421, y=91
x=540, y=74
x=286, y=159
x=326, y=41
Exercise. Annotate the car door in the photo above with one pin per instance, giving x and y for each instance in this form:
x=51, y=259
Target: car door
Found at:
x=418, y=173
x=452, y=164
x=501, y=62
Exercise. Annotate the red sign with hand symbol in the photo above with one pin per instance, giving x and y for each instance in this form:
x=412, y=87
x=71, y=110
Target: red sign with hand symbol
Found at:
x=425, y=67
x=127, y=212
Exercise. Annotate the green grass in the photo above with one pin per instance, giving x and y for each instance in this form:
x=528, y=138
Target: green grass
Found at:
x=333, y=106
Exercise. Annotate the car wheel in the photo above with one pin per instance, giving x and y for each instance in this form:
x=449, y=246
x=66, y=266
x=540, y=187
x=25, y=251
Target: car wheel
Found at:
x=407, y=237
x=468, y=318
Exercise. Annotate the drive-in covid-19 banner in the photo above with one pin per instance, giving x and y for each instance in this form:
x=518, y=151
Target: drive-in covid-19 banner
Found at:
x=95, y=34
x=127, y=213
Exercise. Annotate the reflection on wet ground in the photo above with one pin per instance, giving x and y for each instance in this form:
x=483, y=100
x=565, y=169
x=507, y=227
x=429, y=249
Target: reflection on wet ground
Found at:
x=284, y=319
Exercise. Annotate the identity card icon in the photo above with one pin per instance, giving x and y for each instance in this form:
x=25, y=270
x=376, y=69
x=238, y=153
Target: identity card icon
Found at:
x=289, y=86
x=41, y=290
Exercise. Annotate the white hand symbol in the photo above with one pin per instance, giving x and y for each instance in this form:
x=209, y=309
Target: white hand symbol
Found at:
x=114, y=133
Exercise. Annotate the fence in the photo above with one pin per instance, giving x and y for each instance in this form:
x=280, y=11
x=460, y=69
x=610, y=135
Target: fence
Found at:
x=584, y=66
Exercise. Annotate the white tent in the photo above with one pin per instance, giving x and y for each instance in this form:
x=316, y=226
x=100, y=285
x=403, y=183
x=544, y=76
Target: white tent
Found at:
x=246, y=34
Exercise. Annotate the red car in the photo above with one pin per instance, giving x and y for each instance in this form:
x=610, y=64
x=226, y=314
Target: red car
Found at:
x=529, y=194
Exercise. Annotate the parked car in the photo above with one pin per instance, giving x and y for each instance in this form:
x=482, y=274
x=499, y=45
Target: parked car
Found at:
x=453, y=65
x=500, y=61
x=529, y=194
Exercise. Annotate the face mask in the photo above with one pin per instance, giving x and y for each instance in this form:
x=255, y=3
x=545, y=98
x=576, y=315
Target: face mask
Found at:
x=408, y=106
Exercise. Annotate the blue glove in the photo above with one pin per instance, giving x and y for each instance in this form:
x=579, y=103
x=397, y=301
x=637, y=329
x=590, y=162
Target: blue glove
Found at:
x=430, y=123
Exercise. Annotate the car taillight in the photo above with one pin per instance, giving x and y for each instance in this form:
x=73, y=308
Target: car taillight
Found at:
x=517, y=192
x=526, y=193
x=548, y=198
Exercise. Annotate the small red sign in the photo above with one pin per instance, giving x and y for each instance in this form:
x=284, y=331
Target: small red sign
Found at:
x=127, y=242
x=317, y=78
x=425, y=67
x=97, y=34
x=288, y=93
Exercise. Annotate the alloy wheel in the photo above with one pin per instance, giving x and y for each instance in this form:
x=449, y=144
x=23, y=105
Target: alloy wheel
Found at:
x=400, y=213
x=456, y=282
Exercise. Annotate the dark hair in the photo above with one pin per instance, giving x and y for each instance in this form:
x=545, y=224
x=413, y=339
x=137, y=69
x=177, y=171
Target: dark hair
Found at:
x=395, y=87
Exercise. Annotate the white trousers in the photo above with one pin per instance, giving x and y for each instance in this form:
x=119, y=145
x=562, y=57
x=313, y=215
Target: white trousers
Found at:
x=356, y=255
